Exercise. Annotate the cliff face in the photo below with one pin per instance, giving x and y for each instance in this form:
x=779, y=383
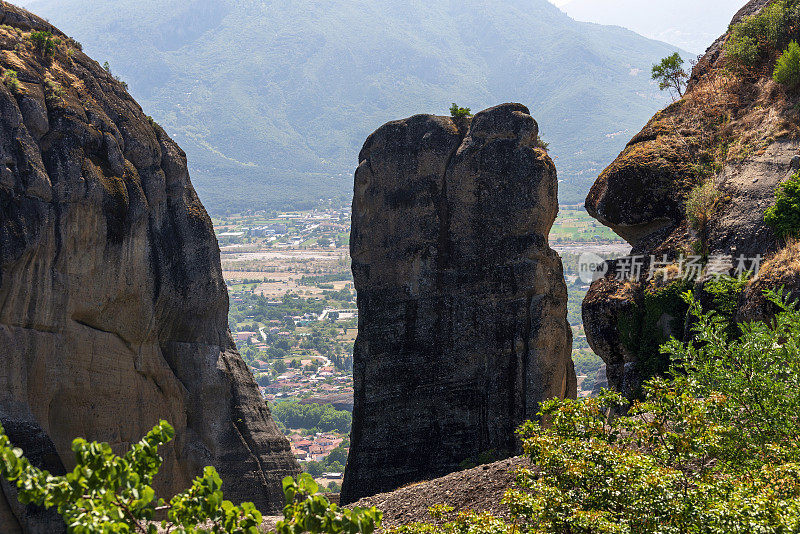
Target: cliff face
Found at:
x=462, y=304
x=738, y=135
x=113, y=310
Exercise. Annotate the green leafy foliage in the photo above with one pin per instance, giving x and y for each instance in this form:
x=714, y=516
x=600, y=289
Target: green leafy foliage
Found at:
x=784, y=216
x=787, y=68
x=44, y=42
x=714, y=449
x=459, y=113
x=109, y=493
x=753, y=40
x=106, y=493
x=670, y=75
x=307, y=512
x=323, y=417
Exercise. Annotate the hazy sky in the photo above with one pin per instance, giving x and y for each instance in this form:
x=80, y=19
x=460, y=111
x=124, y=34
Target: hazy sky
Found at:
x=690, y=24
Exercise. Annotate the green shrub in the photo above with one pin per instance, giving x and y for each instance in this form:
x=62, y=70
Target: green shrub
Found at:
x=712, y=450
x=787, y=68
x=743, y=51
x=12, y=81
x=756, y=37
x=107, y=493
x=459, y=113
x=44, y=42
x=784, y=216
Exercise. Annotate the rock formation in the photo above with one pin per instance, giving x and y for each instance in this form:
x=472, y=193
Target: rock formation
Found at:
x=462, y=304
x=734, y=132
x=113, y=310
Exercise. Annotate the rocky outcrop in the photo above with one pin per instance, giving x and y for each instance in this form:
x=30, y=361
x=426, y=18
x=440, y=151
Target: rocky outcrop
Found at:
x=113, y=310
x=462, y=304
x=736, y=132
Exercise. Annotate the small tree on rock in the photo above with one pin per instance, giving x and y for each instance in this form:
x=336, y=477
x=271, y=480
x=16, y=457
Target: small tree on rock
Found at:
x=670, y=74
x=459, y=113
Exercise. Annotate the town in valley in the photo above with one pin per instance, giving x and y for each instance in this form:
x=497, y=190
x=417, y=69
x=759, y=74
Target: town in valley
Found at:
x=294, y=317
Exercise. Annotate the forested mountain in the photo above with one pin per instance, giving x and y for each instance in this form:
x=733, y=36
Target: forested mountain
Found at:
x=271, y=99
x=689, y=24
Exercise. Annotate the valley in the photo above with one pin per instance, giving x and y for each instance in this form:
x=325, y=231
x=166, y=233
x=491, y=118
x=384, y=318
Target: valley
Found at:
x=294, y=318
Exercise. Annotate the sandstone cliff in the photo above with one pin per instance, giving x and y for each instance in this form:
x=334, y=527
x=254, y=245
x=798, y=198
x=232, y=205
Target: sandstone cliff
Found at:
x=462, y=304
x=735, y=132
x=113, y=310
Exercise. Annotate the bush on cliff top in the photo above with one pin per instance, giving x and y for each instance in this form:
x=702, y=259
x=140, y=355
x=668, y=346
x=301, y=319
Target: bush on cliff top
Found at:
x=757, y=37
x=458, y=112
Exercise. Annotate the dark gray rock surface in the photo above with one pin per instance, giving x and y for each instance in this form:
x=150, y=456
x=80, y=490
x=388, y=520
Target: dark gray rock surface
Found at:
x=462, y=303
x=113, y=310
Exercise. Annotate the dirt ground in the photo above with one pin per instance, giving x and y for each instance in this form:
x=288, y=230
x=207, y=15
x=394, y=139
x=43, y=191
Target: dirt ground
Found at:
x=478, y=489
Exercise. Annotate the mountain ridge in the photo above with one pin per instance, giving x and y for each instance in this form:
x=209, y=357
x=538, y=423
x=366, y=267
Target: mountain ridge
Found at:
x=271, y=99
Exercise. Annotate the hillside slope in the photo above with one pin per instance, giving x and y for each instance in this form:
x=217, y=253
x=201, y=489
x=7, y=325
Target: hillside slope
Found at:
x=271, y=99
x=113, y=310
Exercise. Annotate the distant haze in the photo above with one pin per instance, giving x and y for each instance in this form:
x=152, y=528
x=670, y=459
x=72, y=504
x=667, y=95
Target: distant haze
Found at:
x=273, y=99
x=690, y=24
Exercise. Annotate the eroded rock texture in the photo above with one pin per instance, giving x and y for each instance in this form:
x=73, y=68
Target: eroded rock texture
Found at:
x=113, y=310
x=462, y=304
x=643, y=196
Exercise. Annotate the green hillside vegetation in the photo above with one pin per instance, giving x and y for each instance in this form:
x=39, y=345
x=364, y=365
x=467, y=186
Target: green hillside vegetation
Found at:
x=312, y=417
x=272, y=100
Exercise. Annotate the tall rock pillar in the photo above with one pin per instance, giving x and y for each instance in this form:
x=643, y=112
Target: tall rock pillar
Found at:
x=462, y=303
